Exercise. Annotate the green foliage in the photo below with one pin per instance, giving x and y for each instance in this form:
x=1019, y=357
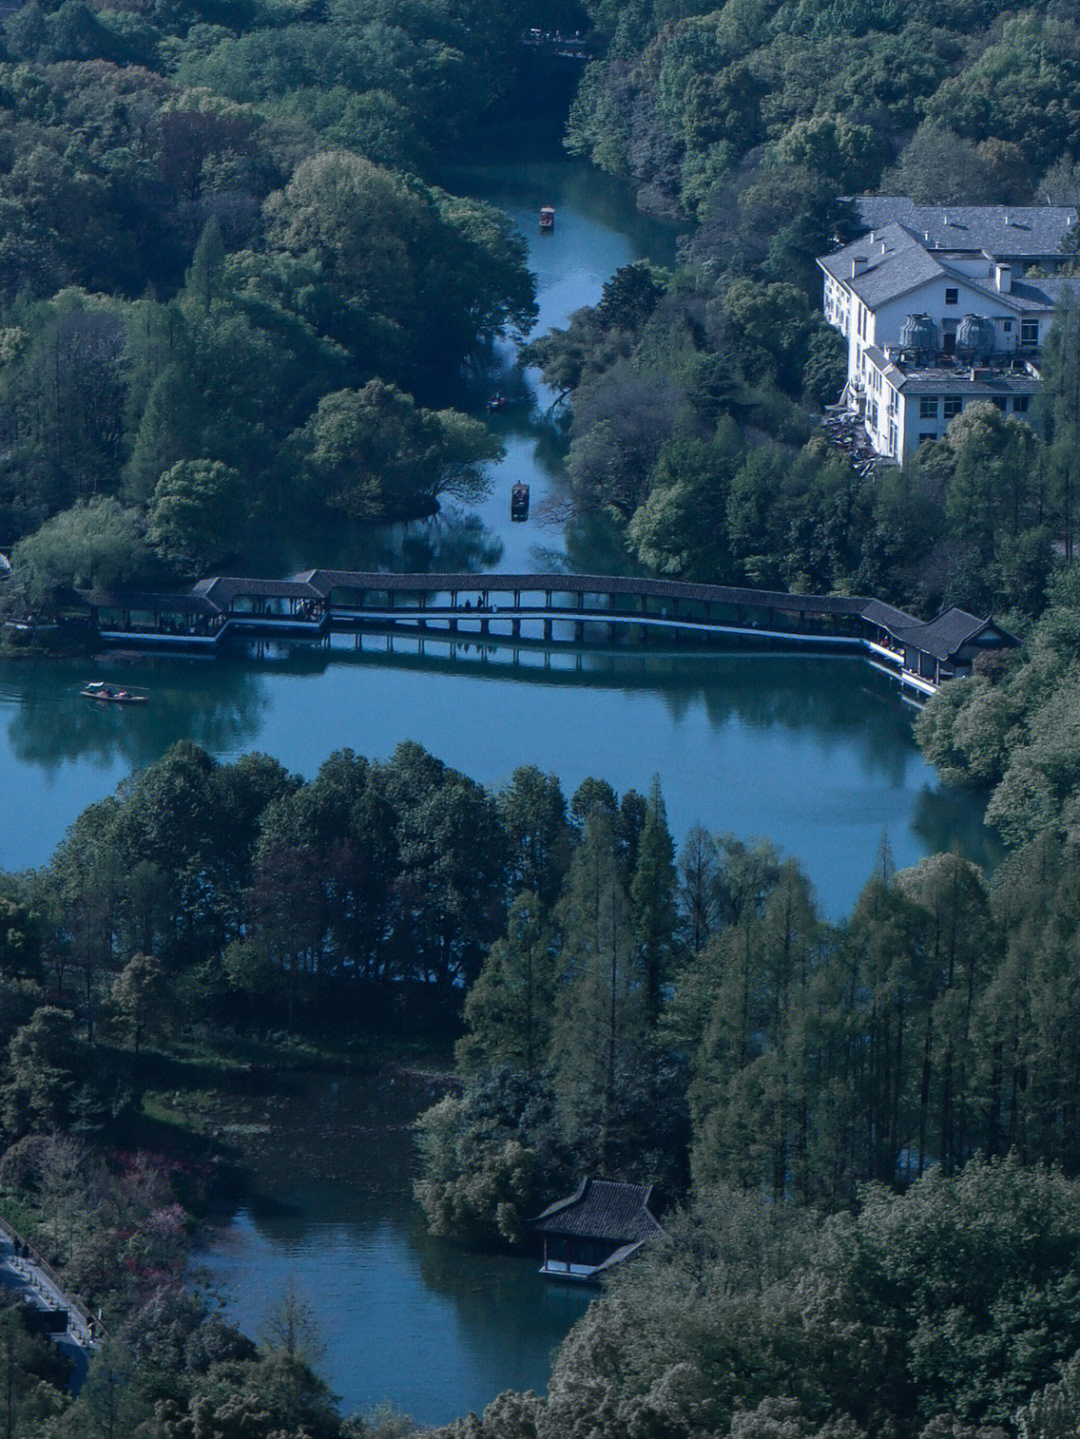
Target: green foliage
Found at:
x=489, y=1157
x=376, y=454
x=94, y=545
x=194, y=513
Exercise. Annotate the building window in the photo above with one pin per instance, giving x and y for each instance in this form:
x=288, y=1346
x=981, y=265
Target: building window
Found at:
x=953, y=405
x=1020, y=404
x=1029, y=332
x=928, y=437
x=873, y=414
x=952, y=295
x=1000, y=401
x=928, y=407
x=1006, y=325
x=894, y=401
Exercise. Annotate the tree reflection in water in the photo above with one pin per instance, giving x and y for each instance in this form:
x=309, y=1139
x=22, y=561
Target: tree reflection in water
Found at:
x=214, y=702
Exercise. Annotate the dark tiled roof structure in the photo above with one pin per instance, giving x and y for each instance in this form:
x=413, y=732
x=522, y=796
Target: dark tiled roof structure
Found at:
x=185, y=604
x=223, y=589
x=888, y=616
x=325, y=581
x=1020, y=231
x=602, y=1209
x=948, y=634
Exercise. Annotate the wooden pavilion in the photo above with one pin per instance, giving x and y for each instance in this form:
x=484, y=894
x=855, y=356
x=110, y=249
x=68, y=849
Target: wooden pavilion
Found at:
x=602, y=1223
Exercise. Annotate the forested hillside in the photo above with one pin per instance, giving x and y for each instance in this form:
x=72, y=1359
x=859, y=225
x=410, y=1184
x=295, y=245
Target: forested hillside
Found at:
x=970, y=101
x=681, y=1017
x=222, y=266
x=694, y=395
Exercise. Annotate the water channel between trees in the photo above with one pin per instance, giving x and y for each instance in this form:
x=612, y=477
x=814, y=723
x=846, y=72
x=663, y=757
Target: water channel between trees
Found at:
x=813, y=751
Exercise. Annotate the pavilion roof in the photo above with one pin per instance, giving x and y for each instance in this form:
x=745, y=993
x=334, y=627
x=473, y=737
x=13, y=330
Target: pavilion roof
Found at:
x=602, y=1209
x=223, y=589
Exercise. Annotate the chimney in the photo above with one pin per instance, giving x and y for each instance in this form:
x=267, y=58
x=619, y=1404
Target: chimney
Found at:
x=858, y=265
x=884, y=248
x=1003, y=278
x=1008, y=220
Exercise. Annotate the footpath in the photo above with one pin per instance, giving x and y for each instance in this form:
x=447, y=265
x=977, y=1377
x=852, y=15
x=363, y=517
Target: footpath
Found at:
x=51, y=1310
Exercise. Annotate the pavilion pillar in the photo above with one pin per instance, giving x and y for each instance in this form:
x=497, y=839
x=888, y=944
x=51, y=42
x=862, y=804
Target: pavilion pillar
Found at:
x=547, y=629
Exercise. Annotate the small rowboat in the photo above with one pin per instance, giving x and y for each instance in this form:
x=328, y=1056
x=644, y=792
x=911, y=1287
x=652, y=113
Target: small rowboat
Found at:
x=106, y=693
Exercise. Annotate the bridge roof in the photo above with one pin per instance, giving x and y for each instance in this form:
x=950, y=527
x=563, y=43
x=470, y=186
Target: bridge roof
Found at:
x=159, y=602
x=324, y=581
x=223, y=589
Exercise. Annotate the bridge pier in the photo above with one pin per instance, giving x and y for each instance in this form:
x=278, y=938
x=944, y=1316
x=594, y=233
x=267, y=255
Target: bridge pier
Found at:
x=515, y=629
x=579, y=630
x=547, y=629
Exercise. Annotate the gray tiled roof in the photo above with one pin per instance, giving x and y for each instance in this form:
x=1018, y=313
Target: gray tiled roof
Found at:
x=223, y=589
x=888, y=616
x=602, y=1209
x=952, y=380
x=944, y=636
x=1023, y=232
x=887, y=244
x=196, y=604
x=895, y=276
x=325, y=581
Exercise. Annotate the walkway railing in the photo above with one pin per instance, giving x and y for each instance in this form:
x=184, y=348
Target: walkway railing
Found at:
x=24, y=1249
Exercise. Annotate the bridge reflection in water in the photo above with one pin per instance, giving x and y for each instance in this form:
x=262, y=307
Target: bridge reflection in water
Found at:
x=544, y=608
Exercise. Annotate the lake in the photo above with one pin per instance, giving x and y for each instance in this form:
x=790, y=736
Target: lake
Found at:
x=813, y=751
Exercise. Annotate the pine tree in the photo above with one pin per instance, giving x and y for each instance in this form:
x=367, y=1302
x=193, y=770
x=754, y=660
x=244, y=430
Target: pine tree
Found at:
x=508, y=1010
x=601, y=1012
x=652, y=900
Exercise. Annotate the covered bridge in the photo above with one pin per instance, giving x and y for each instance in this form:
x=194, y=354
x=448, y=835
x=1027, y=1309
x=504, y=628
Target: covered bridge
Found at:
x=930, y=651
x=602, y=1223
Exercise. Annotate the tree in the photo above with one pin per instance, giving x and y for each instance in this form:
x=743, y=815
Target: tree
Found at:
x=509, y=1008
x=96, y=545
x=602, y=1007
x=142, y=994
x=376, y=454
x=195, y=512
x=20, y=940
x=532, y=811
x=292, y=1327
x=652, y=901
x=41, y=1078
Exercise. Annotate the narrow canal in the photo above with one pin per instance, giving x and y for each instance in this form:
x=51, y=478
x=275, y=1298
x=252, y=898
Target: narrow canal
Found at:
x=814, y=752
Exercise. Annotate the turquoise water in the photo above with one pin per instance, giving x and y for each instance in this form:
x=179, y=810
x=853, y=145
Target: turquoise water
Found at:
x=814, y=752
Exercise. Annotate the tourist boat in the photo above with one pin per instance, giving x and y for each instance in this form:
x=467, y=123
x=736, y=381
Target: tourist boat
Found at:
x=519, y=502
x=107, y=693
x=497, y=402
x=547, y=218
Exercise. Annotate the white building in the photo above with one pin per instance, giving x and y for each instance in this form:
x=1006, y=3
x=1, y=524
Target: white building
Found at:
x=939, y=308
